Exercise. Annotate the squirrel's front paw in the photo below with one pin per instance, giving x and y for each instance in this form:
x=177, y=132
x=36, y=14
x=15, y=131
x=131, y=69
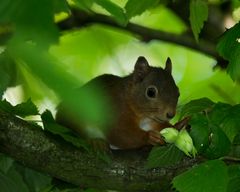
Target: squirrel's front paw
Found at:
x=154, y=138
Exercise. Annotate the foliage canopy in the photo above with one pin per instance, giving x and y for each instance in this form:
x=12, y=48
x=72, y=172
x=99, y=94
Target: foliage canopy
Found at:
x=48, y=48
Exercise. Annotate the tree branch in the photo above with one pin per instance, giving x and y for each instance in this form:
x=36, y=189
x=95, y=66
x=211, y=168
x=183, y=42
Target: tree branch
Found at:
x=80, y=19
x=36, y=149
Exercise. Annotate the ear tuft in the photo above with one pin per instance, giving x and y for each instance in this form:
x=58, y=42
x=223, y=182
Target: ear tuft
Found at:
x=141, y=68
x=168, y=65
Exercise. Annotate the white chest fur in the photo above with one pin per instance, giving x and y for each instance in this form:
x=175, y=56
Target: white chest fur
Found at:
x=145, y=124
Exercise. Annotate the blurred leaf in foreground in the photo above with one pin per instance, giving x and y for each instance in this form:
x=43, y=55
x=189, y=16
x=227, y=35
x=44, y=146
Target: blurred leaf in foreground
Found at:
x=8, y=72
x=29, y=22
x=61, y=6
x=56, y=129
x=89, y=107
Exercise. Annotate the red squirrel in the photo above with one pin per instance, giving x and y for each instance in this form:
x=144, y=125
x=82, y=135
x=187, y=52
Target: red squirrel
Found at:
x=143, y=103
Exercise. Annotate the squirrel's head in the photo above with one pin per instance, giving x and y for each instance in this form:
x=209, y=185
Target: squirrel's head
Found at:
x=154, y=92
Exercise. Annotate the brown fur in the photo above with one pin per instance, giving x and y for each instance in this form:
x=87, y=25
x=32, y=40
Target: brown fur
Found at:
x=129, y=103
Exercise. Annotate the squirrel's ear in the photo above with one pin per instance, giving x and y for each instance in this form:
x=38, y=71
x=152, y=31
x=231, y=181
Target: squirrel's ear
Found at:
x=141, y=69
x=168, y=65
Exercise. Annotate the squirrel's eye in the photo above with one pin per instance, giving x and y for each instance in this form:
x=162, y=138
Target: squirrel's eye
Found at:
x=151, y=92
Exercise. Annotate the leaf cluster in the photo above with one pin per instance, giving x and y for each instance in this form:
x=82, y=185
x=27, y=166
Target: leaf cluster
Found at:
x=214, y=128
x=31, y=31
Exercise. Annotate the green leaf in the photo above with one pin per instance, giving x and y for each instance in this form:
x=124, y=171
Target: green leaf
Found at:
x=164, y=156
x=196, y=106
x=56, y=129
x=234, y=178
x=219, y=145
x=84, y=4
x=60, y=6
x=226, y=117
x=11, y=7
x=5, y=163
x=208, y=177
x=65, y=133
x=198, y=15
x=93, y=190
x=229, y=48
x=16, y=179
x=136, y=7
x=228, y=42
x=90, y=105
x=219, y=112
x=230, y=124
x=7, y=184
x=236, y=140
x=25, y=109
x=35, y=181
x=234, y=64
x=116, y=11
x=235, y=151
x=47, y=117
x=8, y=72
x=29, y=22
x=6, y=106
x=67, y=136
x=199, y=132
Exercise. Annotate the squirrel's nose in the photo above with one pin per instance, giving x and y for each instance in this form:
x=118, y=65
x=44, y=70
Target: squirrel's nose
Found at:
x=170, y=115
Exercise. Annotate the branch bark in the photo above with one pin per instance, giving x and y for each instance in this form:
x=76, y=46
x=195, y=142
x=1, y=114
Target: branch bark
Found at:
x=37, y=149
